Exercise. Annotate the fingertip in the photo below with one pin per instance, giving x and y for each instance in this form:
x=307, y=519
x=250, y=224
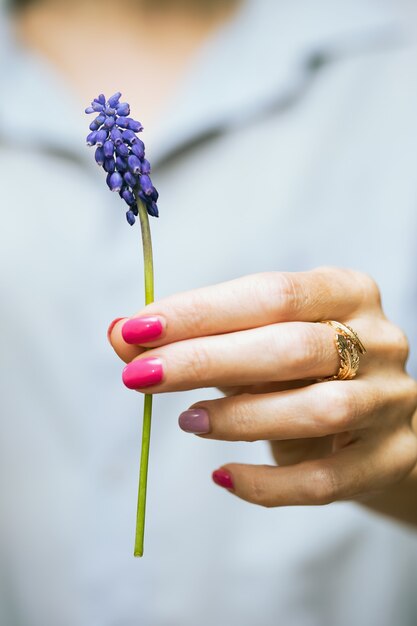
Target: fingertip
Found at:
x=223, y=478
x=111, y=327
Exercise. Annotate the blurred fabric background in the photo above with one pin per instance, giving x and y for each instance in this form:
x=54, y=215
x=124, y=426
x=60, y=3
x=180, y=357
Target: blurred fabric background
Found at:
x=287, y=140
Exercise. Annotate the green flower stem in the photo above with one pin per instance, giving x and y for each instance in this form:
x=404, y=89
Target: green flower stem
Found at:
x=147, y=409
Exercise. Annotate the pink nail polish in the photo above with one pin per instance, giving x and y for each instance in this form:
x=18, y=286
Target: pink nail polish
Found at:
x=142, y=329
x=143, y=372
x=223, y=478
x=112, y=325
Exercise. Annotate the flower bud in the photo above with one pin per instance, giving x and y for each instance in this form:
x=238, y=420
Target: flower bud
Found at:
x=116, y=136
x=138, y=148
x=130, y=179
x=154, y=195
x=109, y=165
x=122, y=122
x=110, y=122
x=152, y=209
x=129, y=136
x=134, y=164
x=115, y=181
x=122, y=150
x=89, y=110
x=99, y=156
x=146, y=185
x=121, y=164
x=108, y=148
x=92, y=138
x=114, y=99
x=130, y=216
x=128, y=197
x=145, y=166
x=101, y=137
x=134, y=125
x=101, y=99
x=123, y=108
x=96, y=106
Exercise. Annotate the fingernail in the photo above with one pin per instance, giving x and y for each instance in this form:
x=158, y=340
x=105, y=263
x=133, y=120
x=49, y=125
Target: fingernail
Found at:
x=223, y=478
x=195, y=421
x=112, y=325
x=142, y=329
x=143, y=373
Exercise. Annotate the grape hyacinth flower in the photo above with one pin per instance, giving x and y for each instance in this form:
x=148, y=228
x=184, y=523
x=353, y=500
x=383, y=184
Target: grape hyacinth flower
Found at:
x=121, y=154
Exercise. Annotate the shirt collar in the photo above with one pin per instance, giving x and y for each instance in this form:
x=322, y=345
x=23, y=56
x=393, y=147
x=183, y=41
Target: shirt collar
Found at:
x=261, y=58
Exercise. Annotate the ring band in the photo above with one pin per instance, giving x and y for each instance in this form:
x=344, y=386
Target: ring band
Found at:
x=349, y=348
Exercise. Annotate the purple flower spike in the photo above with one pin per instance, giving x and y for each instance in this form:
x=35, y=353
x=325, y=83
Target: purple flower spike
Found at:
x=123, y=109
x=122, y=154
x=134, y=164
x=115, y=181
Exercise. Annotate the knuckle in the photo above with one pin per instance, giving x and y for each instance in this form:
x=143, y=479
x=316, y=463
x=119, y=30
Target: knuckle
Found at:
x=324, y=487
x=337, y=408
x=400, y=344
x=370, y=288
x=278, y=288
x=309, y=351
x=407, y=456
x=197, y=362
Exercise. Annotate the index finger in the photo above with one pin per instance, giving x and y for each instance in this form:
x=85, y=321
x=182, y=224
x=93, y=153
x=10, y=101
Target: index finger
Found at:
x=244, y=303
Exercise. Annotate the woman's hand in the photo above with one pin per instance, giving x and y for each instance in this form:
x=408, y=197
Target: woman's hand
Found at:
x=256, y=339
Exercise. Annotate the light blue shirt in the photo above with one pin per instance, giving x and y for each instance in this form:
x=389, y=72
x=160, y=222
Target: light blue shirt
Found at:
x=292, y=143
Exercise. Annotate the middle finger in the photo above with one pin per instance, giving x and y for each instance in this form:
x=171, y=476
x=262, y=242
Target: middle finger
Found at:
x=278, y=352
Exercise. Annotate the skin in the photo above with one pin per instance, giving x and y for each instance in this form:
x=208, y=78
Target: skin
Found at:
x=157, y=44
x=256, y=338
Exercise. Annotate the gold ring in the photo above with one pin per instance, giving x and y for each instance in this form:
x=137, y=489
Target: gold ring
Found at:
x=349, y=348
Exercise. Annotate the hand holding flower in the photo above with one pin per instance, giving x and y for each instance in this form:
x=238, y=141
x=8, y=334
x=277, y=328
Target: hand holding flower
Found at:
x=257, y=339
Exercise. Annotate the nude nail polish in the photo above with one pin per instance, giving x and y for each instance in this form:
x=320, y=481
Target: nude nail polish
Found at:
x=142, y=329
x=143, y=372
x=195, y=421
